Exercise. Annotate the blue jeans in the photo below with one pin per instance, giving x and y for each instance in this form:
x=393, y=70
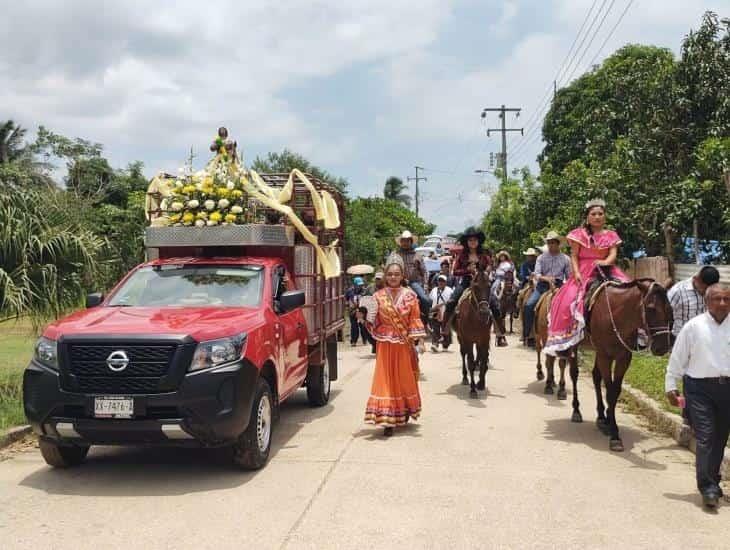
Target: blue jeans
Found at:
x=423, y=299
x=529, y=318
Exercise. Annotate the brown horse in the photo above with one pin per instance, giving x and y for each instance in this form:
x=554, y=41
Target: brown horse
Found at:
x=542, y=309
x=507, y=296
x=473, y=328
x=620, y=311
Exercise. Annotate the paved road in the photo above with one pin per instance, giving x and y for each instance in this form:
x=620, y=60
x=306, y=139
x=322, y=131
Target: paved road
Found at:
x=507, y=470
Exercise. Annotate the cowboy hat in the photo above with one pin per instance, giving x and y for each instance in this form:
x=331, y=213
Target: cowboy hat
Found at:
x=472, y=232
x=503, y=253
x=555, y=236
x=530, y=252
x=405, y=235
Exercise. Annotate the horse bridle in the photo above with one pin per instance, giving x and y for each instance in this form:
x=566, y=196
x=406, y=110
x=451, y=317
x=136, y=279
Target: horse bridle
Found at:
x=651, y=331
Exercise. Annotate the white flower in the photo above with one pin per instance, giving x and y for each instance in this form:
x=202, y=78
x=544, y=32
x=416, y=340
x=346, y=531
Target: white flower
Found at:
x=199, y=223
x=237, y=210
x=181, y=170
x=176, y=206
x=209, y=204
x=178, y=183
x=211, y=222
x=230, y=185
x=193, y=204
x=224, y=203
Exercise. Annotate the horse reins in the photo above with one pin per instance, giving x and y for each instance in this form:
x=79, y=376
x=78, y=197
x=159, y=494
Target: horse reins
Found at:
x=662, y=329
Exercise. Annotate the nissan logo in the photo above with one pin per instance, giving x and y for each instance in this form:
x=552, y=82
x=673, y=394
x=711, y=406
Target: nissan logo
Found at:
x=117, y=361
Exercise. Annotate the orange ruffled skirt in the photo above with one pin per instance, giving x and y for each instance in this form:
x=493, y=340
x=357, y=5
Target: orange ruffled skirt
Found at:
x=394, y=394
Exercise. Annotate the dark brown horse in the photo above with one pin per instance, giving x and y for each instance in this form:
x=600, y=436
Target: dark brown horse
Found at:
x=507, y=296
x=619, y=312
x=542, y=309
x=473, y=328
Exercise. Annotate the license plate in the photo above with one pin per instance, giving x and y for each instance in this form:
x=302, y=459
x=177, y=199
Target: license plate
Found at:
x=113, y=407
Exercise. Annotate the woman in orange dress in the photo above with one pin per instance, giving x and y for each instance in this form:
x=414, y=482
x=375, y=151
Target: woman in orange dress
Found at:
x=394, y=397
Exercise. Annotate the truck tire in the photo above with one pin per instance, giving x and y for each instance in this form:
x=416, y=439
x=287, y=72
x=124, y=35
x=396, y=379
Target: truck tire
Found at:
x=318, y=384
x=251, y=451
x=62, y=456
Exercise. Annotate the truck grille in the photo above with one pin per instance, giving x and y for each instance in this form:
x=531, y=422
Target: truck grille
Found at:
x=148, y=363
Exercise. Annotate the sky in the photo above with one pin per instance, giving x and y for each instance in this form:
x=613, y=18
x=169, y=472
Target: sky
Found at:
x=364, y=89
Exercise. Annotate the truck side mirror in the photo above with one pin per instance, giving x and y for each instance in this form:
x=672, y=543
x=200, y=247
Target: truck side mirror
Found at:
x=94, y=299
x=291, y=299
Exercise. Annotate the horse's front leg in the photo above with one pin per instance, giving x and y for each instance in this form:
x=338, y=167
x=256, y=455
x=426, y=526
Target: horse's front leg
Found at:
x=550, y=368
x=464, y=352
x=538, y=349
x=576, y=416
x=483, y=360
x=472, y=368
x=613, y=391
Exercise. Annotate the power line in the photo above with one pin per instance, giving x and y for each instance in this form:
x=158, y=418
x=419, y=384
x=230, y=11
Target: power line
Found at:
x=503, y=130
x=610, y=34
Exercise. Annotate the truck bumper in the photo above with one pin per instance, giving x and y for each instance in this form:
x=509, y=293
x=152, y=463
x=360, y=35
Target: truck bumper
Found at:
x=210, y=408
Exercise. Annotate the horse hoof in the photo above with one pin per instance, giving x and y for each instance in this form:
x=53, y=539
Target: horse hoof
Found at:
x=616, y=445
x=473, y=393
x=540, y=375
x=464, y=382
x=548, y=390
x=481, y=385
x=562, y=394
x=602, y=425
x=576, y=417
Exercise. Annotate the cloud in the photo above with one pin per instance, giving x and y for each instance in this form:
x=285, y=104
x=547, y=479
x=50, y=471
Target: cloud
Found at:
x=167, y=75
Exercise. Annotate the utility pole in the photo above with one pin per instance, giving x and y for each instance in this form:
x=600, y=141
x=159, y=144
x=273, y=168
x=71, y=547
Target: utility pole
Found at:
x=417, y=179
x=503, y=115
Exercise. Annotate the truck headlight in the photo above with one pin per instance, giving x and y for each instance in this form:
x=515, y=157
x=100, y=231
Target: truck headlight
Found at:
x=46, y=352
x=217, y=352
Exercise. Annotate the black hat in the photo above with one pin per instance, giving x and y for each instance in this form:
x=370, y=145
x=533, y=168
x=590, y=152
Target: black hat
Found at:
x=472, y=232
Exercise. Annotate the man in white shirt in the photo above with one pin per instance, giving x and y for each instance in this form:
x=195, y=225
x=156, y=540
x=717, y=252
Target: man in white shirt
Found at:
x=701, y=356
x=440, y=296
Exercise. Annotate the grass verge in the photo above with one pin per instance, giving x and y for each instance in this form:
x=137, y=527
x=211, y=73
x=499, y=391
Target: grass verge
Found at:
x=16, y=347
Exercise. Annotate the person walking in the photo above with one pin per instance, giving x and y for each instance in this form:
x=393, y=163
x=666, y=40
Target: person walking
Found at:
x=687, y=297
x=594, y=250
x=701, y=356
x=552, y=268
x=415, y=269
x=377, y=284
x=353, y=294
x=394, y=396
x=440, y=295
x=446, y=272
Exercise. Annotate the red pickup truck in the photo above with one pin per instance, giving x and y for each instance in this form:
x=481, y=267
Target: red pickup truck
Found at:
x=195, y=347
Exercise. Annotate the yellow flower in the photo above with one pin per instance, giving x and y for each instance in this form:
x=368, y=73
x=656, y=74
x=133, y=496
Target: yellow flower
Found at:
x=230, y=218
x=237, y=193
x=189, y=189
x=216, y=216
x=175, y=218
x=207, y=181
x=222, y=192
x=188, y=217
x=202, y=215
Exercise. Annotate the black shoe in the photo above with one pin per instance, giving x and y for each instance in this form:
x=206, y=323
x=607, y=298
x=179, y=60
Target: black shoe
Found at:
x=711, y=499
x=388, y=431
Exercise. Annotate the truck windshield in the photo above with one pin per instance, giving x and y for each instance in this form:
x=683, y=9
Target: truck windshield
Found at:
x=185, y=285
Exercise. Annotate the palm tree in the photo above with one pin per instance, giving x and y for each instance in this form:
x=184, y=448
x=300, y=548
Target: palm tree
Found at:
x=11, y=142
x=393, y=190
x=46, y=259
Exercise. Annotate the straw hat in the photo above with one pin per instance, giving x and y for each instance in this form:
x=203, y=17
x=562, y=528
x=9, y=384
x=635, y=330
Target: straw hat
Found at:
x=530, y=252
x=555, y=236
x=405, y=235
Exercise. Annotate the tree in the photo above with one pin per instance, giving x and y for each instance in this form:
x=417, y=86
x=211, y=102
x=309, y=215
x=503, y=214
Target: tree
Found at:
x=12, y=146
x=393, y=190
x=371, y=226
x=48, y=261
x=287, y=160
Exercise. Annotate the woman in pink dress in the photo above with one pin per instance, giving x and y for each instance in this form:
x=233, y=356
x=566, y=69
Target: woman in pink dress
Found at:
x=592, y=248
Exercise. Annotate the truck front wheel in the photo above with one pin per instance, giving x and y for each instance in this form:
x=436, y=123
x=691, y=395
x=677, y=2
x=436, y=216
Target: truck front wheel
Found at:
x=62, y=456
x=251, y=451
x=318, y=384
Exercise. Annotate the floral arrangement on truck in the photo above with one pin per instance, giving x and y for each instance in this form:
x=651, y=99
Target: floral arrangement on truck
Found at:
x=226, y=193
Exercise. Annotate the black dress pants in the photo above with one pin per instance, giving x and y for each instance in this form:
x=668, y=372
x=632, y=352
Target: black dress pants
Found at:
x=708, y=400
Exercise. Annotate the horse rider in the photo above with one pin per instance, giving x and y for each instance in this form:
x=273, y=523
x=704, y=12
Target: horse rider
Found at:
x=473, y=256
x=551, y=268
x=505, y=270
x=415, y=269
x=528, y=266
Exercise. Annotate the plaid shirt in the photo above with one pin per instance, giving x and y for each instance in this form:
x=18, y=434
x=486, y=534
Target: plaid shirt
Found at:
x=686, y=303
